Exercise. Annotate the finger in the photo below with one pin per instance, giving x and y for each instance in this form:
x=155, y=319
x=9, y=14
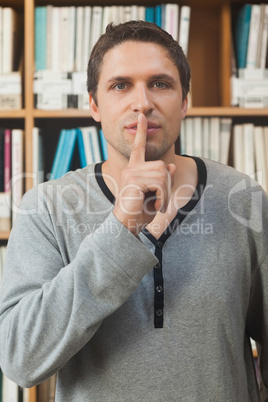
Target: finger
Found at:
x=138, y=148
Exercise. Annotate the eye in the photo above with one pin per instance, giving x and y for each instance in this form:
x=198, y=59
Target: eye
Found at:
x=120, y=86
x=160, y=85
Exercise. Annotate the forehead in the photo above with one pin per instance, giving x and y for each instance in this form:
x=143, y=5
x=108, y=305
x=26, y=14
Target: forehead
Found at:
x=131, y=57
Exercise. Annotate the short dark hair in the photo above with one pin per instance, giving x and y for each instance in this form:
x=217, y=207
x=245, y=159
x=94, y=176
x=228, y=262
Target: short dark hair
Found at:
x=139, y=31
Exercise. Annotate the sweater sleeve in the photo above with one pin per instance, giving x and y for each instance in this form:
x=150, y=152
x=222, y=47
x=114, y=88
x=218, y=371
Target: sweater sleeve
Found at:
x=49, y=311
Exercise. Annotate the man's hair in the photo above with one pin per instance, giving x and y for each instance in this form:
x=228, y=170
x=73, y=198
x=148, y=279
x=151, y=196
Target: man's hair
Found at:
x=138, y=31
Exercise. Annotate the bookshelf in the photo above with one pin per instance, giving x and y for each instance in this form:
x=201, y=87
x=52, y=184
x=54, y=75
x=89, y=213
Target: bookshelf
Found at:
x=209, y=55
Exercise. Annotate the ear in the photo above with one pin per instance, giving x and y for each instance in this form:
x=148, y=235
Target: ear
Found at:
x=94, y=109
x=184, y=107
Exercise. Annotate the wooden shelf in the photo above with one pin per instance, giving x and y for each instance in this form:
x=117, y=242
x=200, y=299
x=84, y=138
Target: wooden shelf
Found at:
x=12, y=114
x=4, y=235
x=226, y=111
x=194, y=111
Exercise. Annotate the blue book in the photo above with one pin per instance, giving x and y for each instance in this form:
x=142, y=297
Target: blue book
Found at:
x=58, y=156
x=68, y=151
x=81, y=149
x=150, y=14
x=158, y=15
x=104, y=148
x=40, y=42
x=241, y=35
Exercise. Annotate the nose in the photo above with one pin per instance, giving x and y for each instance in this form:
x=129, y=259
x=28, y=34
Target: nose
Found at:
x=142, y=100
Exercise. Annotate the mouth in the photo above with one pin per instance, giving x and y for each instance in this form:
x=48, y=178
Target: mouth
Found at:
x=152, y=128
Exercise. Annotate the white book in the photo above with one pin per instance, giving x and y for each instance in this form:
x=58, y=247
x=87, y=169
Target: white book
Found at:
x=215, y=138
x=71, y=39
x=134, y=12
x=10, y=391
x=127, y=11
x=79, y=38
x=10, y=38
x=17, y=170
x=172, y=20
x=253, y=36
x=264, y=38
x=106, y=18
x=260, y=157
x=249, y=157
x=37, y=154
x=184, y=28
x=198, y=136
x=121, y=14
x=86, y=33
x=225, y=139
x=183, y=138
x=141, y=13
x=238, y=147
x=115, y=14
x=189, y=130
x=206, y=137
x=55, y=36
x=64, y=38
x=96, y=25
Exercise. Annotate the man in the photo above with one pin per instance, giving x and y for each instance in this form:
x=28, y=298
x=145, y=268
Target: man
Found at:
x=142, y=278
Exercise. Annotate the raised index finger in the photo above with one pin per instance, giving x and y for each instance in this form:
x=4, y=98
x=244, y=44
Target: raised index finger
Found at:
x=138, y=148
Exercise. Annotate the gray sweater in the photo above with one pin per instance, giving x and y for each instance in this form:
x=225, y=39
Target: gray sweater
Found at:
x=78, y=295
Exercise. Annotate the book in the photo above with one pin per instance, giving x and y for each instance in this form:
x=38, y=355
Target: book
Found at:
x=260, y=157
x=215, y=138
x=38, y=158
x=10, y=39
x=206, y=137
x=40, y=32
x=55, y=34
x=197, y=133
x=225, y=139
x=104, y=148
x=17, y=181
x=96, y=25
x=55, y=171
x=248, y=149
x=253, y=36
x=81, y=149
x=67, y=153
x=2, y=163
x=10, y=91
x=150, y=14
x=242, y=34
x=238, y=147
x=184, y=28
x=79, y=38
x=86, y=34
x=264, y=38
x=172, y=20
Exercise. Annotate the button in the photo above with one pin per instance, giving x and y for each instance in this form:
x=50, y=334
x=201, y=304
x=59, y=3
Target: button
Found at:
x=159, y=313
x=158, y=265
x=159, y=289
x=159, y=244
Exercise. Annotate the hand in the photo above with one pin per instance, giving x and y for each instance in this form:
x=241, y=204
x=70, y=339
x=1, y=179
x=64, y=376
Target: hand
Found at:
x=145, y=187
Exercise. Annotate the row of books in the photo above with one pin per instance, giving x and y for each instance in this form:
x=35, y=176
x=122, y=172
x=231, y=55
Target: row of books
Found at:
x=249, y=81
x=250, y=150
x=206, y=136
x=65, y=36
x=10, y=33
x=11, y=175
x=89, y=143
x=245, y=146
x=251, y=36
x=10, y=52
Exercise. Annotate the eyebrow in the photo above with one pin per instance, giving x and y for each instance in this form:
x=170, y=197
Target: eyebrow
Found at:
x=154, y=77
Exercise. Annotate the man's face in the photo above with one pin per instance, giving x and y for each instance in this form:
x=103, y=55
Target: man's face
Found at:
x=139, y=77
